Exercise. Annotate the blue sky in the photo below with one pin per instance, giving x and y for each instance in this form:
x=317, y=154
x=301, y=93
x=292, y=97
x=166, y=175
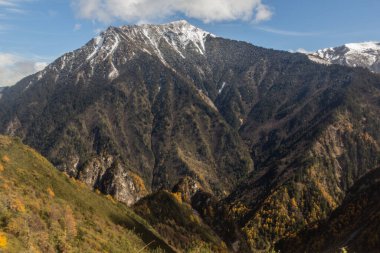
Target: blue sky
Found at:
x=35, y=32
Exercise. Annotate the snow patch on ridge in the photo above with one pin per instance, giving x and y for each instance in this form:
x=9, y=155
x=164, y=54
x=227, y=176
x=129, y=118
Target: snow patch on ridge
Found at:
x=318, y=59
x=111, y=49
x=98, y=44
x=154, y=43
x=114, y=72
x=221, y=88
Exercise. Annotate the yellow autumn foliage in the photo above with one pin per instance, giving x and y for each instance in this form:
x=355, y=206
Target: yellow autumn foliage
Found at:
x=139, y=182
x=293, y=202
x=111, y=198
x=3, y=241
x=6, y=159
x=178, y=197
x=70, y=222
x=50, y=192
x=17, y=205
x=45, y=211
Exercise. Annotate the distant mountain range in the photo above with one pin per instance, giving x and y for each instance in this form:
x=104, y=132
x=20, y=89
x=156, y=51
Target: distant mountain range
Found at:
x=366, y=54
x=210, y=140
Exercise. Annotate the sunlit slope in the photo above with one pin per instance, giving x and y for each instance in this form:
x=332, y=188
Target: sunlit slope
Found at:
x=42, y=210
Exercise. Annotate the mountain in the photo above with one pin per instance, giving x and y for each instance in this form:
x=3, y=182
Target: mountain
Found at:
x=179, y=223
x=43, y=210
x=308, y=150
x=130, y=112
x=354, y=226
x=273, y=140
x=366, y=55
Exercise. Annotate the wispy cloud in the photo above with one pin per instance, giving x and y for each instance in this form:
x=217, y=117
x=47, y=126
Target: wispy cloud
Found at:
x=15, y=10
x=7, y=3
x=4, y=27
x=14, y=67
x=107, y=11
x=286, y=32
x=11, y=7
x=99, y=30
x=304, y=51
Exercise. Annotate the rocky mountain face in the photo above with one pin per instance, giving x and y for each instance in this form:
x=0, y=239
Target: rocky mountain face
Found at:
x=307, y=159
x=366, y=55
x=130, y=112
x=272, y=140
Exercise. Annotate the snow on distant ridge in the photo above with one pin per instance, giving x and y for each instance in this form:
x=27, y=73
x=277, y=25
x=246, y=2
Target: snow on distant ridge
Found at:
x=364, y=46
x=364, y=54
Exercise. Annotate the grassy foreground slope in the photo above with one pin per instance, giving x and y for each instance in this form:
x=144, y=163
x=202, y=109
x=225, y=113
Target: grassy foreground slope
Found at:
x=42, y=210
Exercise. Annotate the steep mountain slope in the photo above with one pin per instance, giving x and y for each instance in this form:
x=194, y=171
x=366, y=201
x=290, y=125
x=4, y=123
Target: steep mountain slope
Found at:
x=43, y=210
x=354, y=226
x=308, y=154
x=142, y=107
x=125, y=116
x=178, y=223
x=366, y=55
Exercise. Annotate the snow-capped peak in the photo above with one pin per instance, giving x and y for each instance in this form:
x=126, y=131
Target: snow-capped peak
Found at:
x=177, y=34
x=364, y=46
x=364, y=54
x=114, y=47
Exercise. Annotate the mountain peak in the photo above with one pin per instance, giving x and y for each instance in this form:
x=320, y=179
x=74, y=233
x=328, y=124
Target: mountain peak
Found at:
x=363, y=54
x=178, y=35
x=180, y=28
x=363, y=46
x=164, y=41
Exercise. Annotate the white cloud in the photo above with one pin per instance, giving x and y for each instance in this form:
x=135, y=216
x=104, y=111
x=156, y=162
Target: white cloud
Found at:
x=263, y=13
x=13, y=68
x=106, y=11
